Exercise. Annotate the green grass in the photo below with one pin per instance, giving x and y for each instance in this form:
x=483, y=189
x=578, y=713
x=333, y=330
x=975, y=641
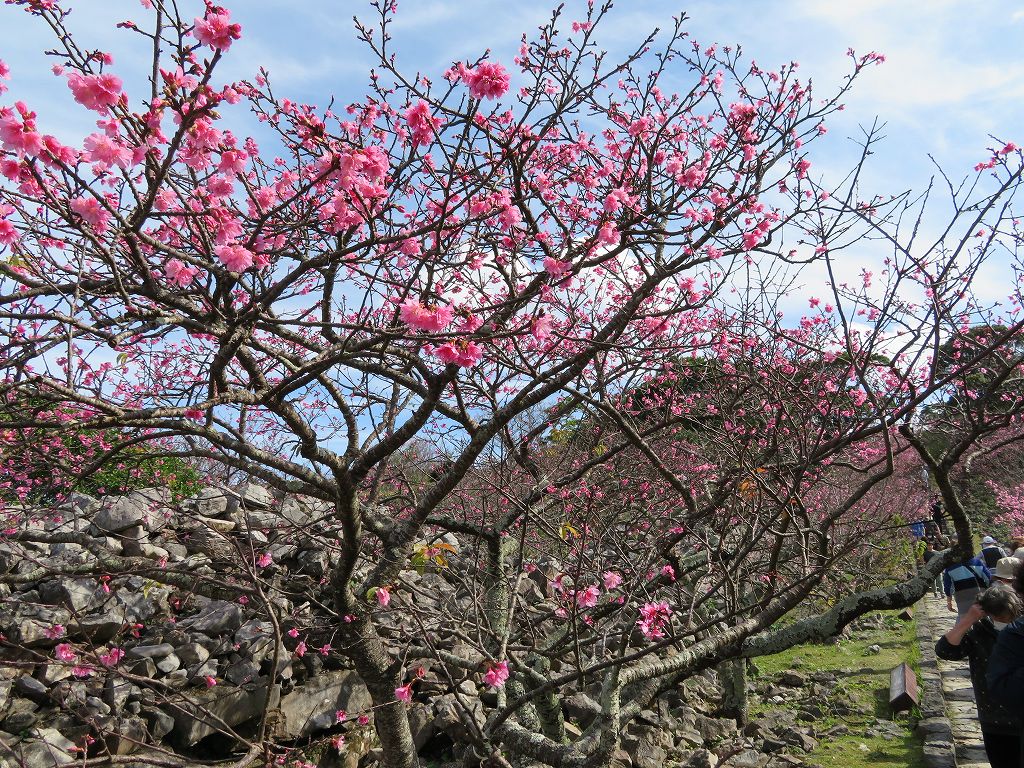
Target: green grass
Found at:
x=863, y=679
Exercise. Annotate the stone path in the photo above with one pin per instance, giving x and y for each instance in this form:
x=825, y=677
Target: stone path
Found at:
x=957, y=691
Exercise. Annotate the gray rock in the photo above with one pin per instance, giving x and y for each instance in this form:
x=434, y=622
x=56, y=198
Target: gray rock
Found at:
x=448, y=716
x=252, y=630
x=54, y=673
x=218, y=546
x=233, y=706
x=421, y=722
x=255, y=495
x=715, y=729
x=242, y=672
x=581, y=708
x=792, y=679
x=159, y=722
x=32, y=689
x=77, y=594
x=34, y=754
x=215, y=502
x=748, y=758
x=645, y=749
x=142, y=601
x=119, y=513
x=168, y=664
x=97, y=706
x=54, y=738
x=34, y=633
x=150, y=651
x=295, y=512
x=702, y=758
x=192, y=653
x=100, y=627
x=20, y=716
x=218, y=524
x=199, y=672
x=215, y=618
x=144, y=667
x=309, y=706
x=124, y=735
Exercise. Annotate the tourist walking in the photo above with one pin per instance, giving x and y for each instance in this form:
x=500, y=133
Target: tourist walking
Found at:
x=974, y=637
x=991, y=552
x=963, y=582
x=929, y=553
x=1005, y=676
x=1006, y=570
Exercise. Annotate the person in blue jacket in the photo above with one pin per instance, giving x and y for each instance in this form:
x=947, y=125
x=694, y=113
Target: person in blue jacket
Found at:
x=1005, y=676
x=963, y=583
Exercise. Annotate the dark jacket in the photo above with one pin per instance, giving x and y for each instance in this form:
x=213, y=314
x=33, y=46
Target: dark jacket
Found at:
x=1005, y=675
x=1006, y=668
x=977, y=647
x=992, y=554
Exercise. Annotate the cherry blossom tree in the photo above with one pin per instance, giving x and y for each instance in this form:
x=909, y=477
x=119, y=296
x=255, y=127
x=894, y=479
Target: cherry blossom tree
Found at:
x=535, y=304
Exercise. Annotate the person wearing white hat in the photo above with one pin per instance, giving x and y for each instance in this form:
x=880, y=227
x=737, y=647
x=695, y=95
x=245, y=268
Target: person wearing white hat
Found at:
x=1006, y=569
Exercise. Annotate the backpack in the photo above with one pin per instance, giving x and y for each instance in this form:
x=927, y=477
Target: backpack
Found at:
x=965, y=576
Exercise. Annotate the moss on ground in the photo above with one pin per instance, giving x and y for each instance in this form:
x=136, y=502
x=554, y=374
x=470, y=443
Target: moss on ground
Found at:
x=863, y=680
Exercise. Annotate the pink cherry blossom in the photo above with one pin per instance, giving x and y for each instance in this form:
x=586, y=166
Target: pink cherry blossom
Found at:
x=587, y=598
x=236, y=258
x=301, y=648
x=105, y=150
x=65, y=652
x=497, y=674
x=19, y=135
x=611, y=579
x=8, y=233
x=215, y=28
x=425, y=318
x=210, y=681
x=540, y=327
x=264, y=560
x=615, y=200
x=487, y=80
x=608, y=234
x=404, y=692
x=111, y=657
x=556, y=268
x=421, y=123
x=95, y=92
x=92, y=212
x=653, y=618
x=383, y=596
x=462, y=352
x=180, y=273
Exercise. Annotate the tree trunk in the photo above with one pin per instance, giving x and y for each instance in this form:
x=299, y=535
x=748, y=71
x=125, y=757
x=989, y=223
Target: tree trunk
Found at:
x=389, y=715
x=733, y=676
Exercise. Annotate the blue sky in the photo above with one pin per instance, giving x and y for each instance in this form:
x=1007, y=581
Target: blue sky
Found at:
x=952, y=76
